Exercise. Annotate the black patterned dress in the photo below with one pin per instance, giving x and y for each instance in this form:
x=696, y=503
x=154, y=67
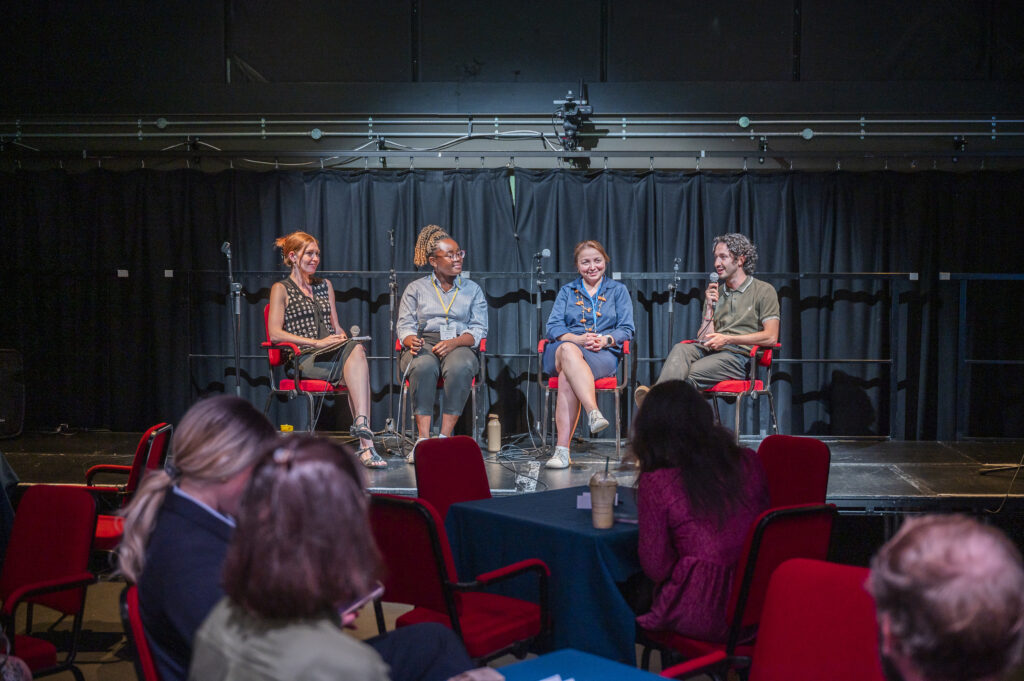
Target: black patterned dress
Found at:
x=311, y=318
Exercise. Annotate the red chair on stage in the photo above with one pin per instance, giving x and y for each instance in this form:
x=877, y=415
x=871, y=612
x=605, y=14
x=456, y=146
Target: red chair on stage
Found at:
x=420, y=571
x=775, y=536
x=47, y=564
x=478, y=380
x=145, y=666
x=796, y=469
x=609, y=384
x=752, y=386
x=450, y=470
x=278, y=355
x=818, y=623
x=150, y=454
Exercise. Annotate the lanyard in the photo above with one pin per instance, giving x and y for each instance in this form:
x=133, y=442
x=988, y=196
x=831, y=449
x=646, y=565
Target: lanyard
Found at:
x=441, y=300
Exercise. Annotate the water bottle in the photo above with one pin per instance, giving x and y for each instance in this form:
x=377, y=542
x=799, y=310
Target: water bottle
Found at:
x=493, y=433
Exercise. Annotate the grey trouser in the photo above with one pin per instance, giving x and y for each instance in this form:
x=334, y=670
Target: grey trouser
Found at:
x=702, y=368
x=457, y=368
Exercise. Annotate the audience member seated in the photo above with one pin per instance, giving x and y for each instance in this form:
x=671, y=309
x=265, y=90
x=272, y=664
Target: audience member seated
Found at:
x=697, y=494
x=949, y=594
x=301, y=563
x=179, y=523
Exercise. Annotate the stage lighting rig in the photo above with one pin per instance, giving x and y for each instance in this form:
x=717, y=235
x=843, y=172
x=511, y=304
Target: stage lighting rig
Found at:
x=572, y=113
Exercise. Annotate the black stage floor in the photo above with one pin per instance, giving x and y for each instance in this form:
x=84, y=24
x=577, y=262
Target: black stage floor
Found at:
x=867, y=477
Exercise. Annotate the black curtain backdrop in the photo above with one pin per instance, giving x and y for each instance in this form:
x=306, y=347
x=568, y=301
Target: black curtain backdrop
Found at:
x=103, y=350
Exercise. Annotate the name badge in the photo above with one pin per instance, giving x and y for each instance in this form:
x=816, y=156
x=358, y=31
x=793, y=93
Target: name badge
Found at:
x=447, y=330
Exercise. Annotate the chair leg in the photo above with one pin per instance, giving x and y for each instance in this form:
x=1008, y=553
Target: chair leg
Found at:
x=739, y=415
x=714, y=409
x=472, y=398
x=544, y=417
x=309, y=398
x=618, y=428
x=266, y=407
x=775, y=420
x=405, y=409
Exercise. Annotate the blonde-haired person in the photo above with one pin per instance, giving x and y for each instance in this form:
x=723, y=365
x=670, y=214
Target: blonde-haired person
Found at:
x=441, y=320
x=591, y=319
x=179, y=523
x=302, y=311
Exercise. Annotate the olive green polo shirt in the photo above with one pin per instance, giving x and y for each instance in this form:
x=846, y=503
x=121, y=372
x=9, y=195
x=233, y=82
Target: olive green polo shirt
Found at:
x=745, y=310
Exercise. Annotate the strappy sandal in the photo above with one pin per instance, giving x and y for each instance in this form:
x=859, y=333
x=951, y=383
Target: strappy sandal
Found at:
x=360, y=428
x=369, y=457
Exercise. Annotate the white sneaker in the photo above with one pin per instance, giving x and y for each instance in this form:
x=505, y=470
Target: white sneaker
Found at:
x=411, y=456
x=560, y=459
x=597, y=421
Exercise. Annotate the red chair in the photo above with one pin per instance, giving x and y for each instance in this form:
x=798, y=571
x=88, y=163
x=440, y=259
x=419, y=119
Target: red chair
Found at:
x=478, y=380
x=609, y=384
x=796, y=469
x=278, y=355
x=420, y=571
x=818, y=623
x=145, y=666
x=775, y=536
x=761, y=356
x=47, y=564
x=149, y=455
x=450, y=470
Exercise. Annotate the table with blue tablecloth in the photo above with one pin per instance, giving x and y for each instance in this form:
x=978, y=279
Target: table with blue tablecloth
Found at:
x=588, y=610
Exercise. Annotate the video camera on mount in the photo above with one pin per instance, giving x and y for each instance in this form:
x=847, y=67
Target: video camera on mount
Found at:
x=572, y=113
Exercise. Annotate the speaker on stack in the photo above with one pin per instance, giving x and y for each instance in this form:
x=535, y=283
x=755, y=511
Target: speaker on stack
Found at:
x=12, y=393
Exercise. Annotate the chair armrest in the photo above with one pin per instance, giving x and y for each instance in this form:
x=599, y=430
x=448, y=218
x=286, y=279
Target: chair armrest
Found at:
x=65, y=583
x=105, y=468
x=271, y=345
x=513, y=569
x=541, y=344
x=483, y=345
x=711, y=664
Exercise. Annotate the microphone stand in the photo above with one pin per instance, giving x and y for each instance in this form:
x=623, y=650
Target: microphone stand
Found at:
x=539, y=281
x=392, y=320
x=235, y=295
x=672, y=287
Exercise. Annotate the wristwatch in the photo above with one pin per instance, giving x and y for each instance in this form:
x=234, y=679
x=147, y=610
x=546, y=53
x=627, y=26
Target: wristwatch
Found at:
x=610, y=339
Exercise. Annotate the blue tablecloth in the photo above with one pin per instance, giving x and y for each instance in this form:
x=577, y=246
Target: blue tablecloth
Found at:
x=588, y=611
x=572, y=664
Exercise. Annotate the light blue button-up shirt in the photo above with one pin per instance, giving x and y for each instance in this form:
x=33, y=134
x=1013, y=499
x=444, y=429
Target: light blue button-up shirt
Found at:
x=424, y=302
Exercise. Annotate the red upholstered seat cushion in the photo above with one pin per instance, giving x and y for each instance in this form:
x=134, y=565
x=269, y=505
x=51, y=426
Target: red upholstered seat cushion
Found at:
x=606, y=383
x=734, y=387
x=37, y=653
x=310, y=386
x=109, y=529
x=489, y=622
x=691, y=647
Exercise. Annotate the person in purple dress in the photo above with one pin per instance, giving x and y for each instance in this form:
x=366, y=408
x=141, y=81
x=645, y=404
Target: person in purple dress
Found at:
x=697, y=494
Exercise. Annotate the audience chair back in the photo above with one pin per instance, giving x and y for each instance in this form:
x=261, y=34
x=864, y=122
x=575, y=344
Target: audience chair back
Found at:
x=420, y=571
x=47, y=564
x=450, y=470
x=796, y=469
x=777, y=535
x=131, y=619
x=818, y=622
x=151, y=454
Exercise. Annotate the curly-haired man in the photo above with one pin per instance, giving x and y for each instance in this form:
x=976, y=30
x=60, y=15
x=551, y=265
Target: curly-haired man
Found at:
x=743, y=314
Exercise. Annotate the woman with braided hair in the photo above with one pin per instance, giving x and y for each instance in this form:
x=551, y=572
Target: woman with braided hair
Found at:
x=441, y=320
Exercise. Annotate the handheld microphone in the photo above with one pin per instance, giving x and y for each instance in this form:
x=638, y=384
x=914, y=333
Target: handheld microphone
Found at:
x=546, y=253
x=714, y=280
x=225, y=248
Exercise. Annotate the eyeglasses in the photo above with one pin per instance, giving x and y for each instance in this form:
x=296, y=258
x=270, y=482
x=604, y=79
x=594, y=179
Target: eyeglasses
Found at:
x=452, y=256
